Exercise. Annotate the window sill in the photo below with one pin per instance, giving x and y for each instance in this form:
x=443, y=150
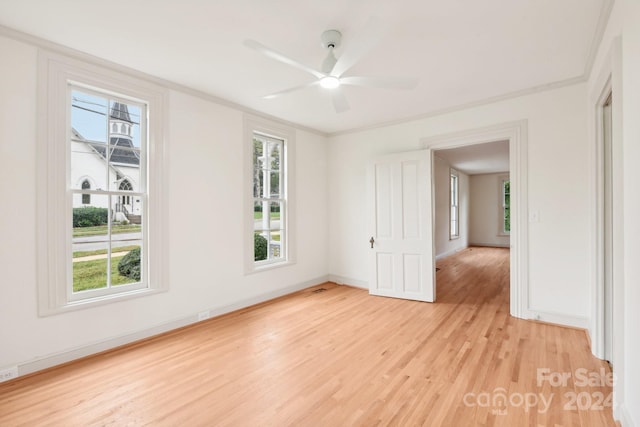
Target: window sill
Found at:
x=97, y=301
x=270, y=266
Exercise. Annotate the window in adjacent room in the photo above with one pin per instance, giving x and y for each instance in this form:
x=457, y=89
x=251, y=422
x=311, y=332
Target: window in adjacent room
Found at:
x=505, y=197
x=454, y=212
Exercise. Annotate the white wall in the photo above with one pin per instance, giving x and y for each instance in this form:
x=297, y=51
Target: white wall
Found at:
x=485, y=223
x=444, y=244
x=558, y=172
x=206, y=254
x=631, y=147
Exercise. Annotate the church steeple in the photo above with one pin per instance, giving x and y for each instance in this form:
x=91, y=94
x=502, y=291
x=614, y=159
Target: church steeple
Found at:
x=121, y=136
x=120, y=121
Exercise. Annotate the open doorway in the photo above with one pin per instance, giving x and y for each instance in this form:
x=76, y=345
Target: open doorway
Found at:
x=472, y=197
x=472, y=208
x=402, y=216
x=514, y=136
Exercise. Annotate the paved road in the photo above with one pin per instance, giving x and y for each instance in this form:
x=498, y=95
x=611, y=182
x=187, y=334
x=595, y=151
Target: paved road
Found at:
x=93, y=243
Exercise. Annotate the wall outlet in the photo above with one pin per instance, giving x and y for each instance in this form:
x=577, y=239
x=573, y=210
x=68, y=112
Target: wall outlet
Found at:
x=203, y=315
x=8, y=374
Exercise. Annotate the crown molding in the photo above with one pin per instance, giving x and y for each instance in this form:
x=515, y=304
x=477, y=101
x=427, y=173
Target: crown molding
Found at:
x=83, y=56
x=461, y=107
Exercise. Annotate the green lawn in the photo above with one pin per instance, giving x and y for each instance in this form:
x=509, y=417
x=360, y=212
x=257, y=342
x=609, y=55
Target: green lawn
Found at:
x=93, y=274
x=102, y=230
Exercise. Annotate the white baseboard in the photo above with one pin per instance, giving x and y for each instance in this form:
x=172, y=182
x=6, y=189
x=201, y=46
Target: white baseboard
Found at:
x=341, y=280
x=491, y=245
x=97, y=347
x=451, y=252
x=621, y=413
x=559, y=319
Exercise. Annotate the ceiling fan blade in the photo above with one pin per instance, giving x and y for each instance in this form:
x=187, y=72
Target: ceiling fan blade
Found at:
x=339, y=100
x=291, y=89
x=381, y=82
x=281, y=57
x=364, y=41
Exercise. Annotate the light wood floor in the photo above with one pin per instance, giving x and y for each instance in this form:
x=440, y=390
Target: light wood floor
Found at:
x=333, y=358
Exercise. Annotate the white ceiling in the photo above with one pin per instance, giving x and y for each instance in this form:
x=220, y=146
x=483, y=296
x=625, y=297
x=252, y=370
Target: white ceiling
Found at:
x=491, y=157
x=463, y=51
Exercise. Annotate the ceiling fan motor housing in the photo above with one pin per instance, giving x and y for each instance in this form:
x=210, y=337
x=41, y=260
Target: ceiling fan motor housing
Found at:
x=331, y=38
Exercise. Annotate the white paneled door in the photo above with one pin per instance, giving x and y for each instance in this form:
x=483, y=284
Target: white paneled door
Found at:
x=401, y=230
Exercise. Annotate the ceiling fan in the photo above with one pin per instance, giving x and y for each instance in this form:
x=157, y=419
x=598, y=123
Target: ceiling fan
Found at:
x=331, y=75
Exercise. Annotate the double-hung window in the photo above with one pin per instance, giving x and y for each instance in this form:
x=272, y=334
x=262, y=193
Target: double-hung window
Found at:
x=101, y=193
x=108, y=145
x=269, y=214
x=454, y=214
x=269, y=199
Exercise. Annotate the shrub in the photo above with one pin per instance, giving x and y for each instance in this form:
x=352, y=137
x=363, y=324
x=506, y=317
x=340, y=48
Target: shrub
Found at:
x=129, y=265
x=260, y=247
x=90, y=216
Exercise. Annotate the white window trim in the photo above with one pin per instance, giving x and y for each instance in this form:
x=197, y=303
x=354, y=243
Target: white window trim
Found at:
x=452, y=236
x=501, y=232
x=55, y=71
x=253, y=124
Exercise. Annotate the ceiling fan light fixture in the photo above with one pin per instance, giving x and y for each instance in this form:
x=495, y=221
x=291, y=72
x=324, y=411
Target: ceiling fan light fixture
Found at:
x=329, y=82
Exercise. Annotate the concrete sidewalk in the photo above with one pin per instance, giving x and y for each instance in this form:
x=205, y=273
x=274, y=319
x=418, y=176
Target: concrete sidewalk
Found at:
x=100, y=256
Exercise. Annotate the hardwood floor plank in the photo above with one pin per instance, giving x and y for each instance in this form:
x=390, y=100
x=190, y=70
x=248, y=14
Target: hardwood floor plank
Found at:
x=334, y=358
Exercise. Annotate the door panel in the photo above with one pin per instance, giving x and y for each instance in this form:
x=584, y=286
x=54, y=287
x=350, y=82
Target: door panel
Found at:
x=401, y=259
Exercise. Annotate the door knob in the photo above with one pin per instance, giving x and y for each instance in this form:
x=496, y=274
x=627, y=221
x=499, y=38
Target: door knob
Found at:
x=371, y=241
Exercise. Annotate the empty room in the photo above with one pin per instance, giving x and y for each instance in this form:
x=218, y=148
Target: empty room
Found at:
x=341, y=213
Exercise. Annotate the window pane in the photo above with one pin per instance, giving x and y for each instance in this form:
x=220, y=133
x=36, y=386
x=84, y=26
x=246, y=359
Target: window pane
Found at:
x=124, y=165
x=87, y=163
x=260, y=221
x=126, y=225
x=90, y=222
x=257, y=153
x=124, y=178
x=258, y=182
x=276, y=210
x=454, y=190
x=507, y=219
x=125, y=263
x=89, y=265
x=88, y=117
x=274, y=181
x=275, y=151
x=260, y=247
x=275, y=245
x=124, y=122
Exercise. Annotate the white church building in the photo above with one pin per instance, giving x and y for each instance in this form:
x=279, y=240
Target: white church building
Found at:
x=115, y=166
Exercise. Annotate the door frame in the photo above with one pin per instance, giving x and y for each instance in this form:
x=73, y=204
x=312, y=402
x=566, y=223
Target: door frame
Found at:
x=517, y=135
x=607, y=81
